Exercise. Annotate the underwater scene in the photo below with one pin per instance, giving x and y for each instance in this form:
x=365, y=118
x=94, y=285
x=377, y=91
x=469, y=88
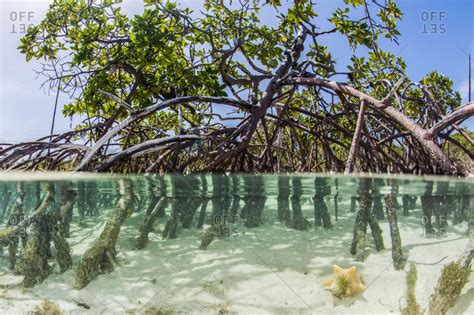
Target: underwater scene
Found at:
x=235, y=244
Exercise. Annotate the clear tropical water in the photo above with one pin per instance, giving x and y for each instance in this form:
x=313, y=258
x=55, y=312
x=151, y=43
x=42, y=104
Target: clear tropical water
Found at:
x=237, y=243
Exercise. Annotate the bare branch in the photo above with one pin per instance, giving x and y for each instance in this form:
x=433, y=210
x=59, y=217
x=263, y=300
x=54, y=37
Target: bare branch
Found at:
x=461, y=113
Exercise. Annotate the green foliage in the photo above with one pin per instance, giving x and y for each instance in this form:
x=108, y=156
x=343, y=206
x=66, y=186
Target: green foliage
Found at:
x=139, y=59
x=372, y=74
x=380, y=65
x=365, y=31
x=441, y=91
x=163, y=53
x=436, y=90
x=456, y=152
x=354, y=3
x=168, y=51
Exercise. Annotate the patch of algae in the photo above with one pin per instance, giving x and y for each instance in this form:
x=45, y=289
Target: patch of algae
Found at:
x=412, y=308
x=453, y=278
x=47, y=307
x=33, y=260
x=152, y=310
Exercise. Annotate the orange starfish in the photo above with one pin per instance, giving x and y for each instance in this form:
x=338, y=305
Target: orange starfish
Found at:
x=345, y=282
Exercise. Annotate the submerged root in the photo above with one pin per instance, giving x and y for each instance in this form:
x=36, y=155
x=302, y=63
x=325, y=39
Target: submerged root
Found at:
x=378, y=208
x=147, y=225
x=397, y=253
x=60, y=222
x=321, y=213
x=93, y=262
x=97, y=259
x=15, y=217
x=376, y=232
x=360, y=231
x=300, y=223
x=360, y=245
x=365, y=217
x=254, y=211
x=63, y=252
x=12, y=250
x=12, y=231
x=284, y=214
x=33, y=260
x=171, y=229
x=207, y=238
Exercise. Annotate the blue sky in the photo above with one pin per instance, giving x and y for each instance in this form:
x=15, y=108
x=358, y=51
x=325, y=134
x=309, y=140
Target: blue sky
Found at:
x=436, y=35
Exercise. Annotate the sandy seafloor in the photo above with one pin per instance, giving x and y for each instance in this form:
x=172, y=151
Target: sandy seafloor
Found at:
x=265, y=270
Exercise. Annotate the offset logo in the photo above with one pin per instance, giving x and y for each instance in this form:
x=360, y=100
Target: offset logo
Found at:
x=21, y=21
x=432, y=226
x=223, y=225
x=434, y=22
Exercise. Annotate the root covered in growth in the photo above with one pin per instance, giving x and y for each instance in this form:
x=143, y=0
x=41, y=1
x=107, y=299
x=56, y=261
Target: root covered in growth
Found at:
x=147, y=225
x=100, y=257
x=207, y=238
x=365, y=217
x=33, y=263
x=397, y=253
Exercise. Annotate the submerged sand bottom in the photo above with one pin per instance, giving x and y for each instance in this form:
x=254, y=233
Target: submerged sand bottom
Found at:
x=265, y=270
